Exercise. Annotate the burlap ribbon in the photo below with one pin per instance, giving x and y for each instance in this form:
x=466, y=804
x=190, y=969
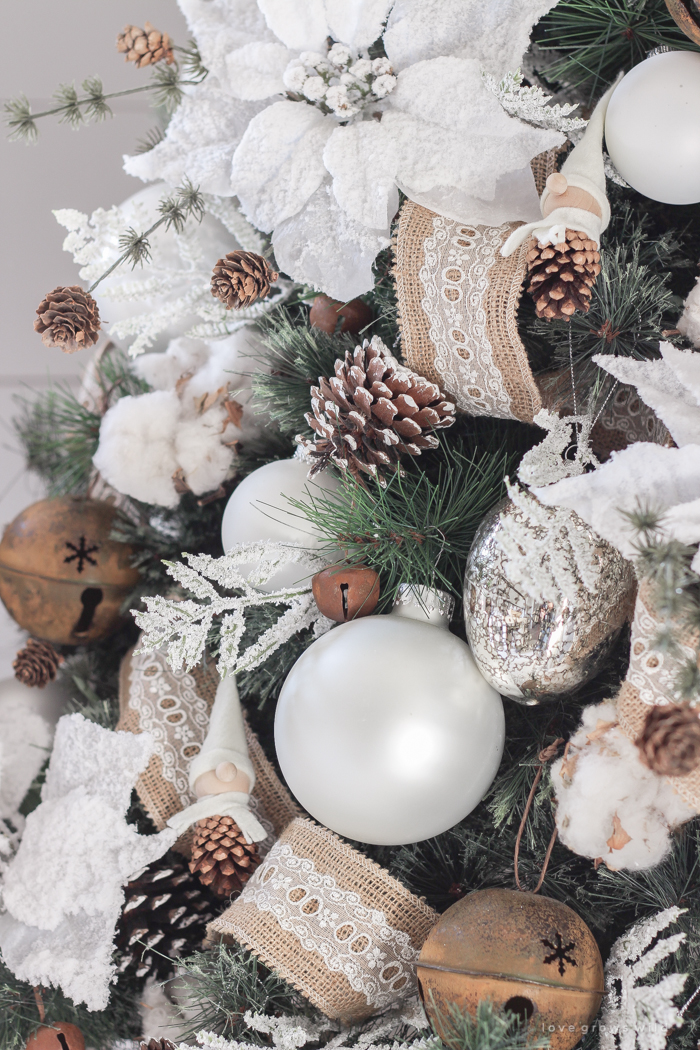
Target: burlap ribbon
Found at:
x=331, y=922
x=651, y=680
x=175, y=707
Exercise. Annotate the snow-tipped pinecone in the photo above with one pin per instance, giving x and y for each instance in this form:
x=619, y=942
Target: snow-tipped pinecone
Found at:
x=37, y=663
x=145, y=46
x=157, y=1044
x=68, y=317
x=372, y=411
x=221, y=857
x=670, y=740
x=240, y=278
x=165, y=915
x=562, y=275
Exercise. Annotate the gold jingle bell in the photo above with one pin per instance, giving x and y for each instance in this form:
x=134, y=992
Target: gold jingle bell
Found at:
x=61, y=577
x=528, y=954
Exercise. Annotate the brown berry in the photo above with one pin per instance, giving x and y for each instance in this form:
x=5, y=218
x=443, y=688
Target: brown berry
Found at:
x=326, y=313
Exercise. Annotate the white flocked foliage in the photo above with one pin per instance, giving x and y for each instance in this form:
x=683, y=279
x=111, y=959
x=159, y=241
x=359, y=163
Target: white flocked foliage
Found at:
x=184, y=625
x=63, y=889
x=638, y=1016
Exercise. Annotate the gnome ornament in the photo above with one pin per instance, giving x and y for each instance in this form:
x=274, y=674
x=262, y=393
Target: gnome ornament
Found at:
x=222, y=775
x=563, y=258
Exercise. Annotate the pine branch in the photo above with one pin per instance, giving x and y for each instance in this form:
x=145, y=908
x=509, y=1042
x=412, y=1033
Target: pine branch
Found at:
x=60, y=434
x=218, y=986
x=592, y=40
x=76, y=110
x=491, y=1029
x=418, y=528
x=174, y=212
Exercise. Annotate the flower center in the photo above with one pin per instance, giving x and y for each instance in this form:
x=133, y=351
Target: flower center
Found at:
x=340, y=83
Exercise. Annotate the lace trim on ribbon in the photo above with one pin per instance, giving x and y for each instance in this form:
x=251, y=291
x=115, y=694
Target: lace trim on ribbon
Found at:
x=455, y=278
x=377, y=960
x=652, y=672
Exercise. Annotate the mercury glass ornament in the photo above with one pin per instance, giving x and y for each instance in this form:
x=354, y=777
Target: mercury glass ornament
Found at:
x=534, y=649
x=385, y=730
x=258, y=510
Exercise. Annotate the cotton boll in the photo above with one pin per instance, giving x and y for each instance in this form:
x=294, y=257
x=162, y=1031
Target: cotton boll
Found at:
x=205, y=462
x=689, y=323
x=609, y=804
x=135, y=453
x=162, y=370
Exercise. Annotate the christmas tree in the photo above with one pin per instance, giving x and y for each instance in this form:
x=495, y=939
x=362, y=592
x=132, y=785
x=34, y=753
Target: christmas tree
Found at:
x=367, y=584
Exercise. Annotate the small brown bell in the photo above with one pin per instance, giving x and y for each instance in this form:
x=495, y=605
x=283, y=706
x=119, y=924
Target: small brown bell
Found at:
x=59, y=1036
x=326, y=313
x=344, y=592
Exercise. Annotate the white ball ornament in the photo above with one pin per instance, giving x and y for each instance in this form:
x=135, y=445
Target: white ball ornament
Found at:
x=652, y=127
x=258, y=510
x=385, y=730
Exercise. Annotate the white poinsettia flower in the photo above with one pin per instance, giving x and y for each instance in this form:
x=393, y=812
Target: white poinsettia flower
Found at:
x=336, y=133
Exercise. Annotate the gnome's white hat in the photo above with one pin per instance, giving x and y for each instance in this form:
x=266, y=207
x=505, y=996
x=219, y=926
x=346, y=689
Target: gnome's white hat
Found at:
x=582, y=168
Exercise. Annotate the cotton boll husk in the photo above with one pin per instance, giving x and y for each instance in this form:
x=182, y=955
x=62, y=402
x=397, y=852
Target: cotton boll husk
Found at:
x=136, y=452
x=162, y=370
x=689, y=323
x=603, y=777
x=198, y=450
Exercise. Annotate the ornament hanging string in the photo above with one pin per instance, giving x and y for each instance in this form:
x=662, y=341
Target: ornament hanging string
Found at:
x=545, y=756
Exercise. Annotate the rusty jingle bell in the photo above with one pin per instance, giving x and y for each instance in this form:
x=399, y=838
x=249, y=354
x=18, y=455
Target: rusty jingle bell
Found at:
x=528, y=954
x=59, y=1036
x=61, y=577
x=344, y=592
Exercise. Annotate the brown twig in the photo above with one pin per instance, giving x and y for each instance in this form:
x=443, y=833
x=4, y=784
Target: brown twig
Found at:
x=545, y=756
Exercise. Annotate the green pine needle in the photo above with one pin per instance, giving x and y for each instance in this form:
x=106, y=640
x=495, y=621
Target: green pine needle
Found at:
x=491, y=1029
x=592, y=40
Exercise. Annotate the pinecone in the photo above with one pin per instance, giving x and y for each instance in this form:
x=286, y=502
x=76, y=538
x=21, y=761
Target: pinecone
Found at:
x=670, y=740
x=221, y=857
x=240, y=278
x=562, y=275
x=69, y=318
x=36, y=664
x=165, y=916
x=145, y=46
x=371, y=411
x=157, y=1044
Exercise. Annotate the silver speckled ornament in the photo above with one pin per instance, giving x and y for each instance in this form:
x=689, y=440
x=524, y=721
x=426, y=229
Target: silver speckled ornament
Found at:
x=531, y=649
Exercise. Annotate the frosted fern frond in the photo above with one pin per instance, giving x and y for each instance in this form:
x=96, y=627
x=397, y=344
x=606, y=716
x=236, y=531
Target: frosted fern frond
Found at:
x=547, y=554
x=184, y=626
x=530, y=103
x=638, y=1016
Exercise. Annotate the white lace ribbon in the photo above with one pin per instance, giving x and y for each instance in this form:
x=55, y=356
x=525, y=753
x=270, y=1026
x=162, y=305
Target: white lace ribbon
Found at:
x=377, y=960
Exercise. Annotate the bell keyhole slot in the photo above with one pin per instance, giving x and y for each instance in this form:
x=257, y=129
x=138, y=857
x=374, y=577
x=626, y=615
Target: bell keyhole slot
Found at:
x=90, y=598
x=522, y=1007
x=344, y=598
x=62, y=1040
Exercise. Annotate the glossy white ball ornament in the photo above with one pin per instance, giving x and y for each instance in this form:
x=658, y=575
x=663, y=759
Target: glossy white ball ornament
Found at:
x=385, y=730
x=652, y=127
x=258, y=510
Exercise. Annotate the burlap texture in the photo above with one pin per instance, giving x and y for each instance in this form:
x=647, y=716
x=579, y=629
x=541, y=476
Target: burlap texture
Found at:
x=650, y=680
x=160, y=797
x=458, y=298
x=305, y=969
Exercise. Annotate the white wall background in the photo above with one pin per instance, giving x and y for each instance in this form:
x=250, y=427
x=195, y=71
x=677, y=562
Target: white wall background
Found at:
x=47, y=43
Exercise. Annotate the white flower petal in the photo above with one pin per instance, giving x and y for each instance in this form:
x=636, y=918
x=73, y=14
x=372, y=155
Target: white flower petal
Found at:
x=199, y=143
x=279, y=162
x=643, y=474
x=457, y=152
x=256, y=70
x=300, y=24
x=362, y=161
x=357, y=22
x=323, y=247
x=496, y=33
x=222, y=27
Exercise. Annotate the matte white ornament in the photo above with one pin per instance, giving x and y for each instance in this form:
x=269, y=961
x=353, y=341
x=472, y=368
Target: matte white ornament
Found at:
x=652, y=127
x=258, y=510
x=385, y=730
